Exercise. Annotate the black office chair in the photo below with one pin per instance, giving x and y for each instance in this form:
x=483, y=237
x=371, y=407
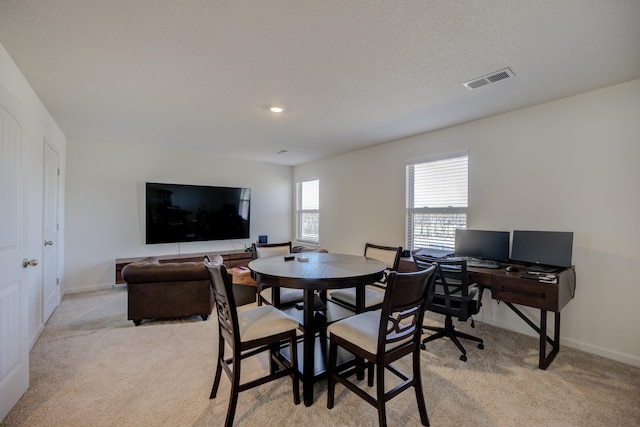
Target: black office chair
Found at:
x=452, y=296
x=381, y=338
x=277, y=297
x=248, y=333
x=374, y=293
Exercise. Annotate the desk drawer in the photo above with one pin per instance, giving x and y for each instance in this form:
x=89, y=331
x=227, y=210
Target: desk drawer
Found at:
x=525, y=292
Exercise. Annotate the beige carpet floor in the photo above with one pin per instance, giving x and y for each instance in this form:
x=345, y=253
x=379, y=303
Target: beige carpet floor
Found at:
x=92, y=367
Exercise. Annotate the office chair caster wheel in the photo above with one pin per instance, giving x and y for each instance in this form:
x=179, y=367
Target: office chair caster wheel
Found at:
x=423, y=347
x=481, y=346
x=463, y=357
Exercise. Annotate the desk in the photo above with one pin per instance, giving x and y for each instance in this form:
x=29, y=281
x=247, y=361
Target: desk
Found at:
x=512, y=289
x=321, y=272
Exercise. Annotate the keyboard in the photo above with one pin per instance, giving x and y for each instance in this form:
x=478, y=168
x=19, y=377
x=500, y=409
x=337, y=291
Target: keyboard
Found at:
x=482, y=263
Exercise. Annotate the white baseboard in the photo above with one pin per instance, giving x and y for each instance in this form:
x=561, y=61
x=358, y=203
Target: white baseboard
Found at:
x=578, y=345
x=600, y=351
x=34, y=339
x=100, y=287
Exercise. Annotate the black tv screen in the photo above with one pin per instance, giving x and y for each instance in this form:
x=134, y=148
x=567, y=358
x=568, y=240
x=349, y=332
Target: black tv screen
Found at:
x=191, y=213
x=543, y=248
x=482, y=244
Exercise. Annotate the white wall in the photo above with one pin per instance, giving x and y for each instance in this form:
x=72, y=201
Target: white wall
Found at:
x=564, y=165
x=572, y=165
x=36, y=124
x=105, y=211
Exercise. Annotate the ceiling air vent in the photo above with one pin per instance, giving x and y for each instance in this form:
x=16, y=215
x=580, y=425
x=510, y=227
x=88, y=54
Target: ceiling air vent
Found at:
x=489, y=78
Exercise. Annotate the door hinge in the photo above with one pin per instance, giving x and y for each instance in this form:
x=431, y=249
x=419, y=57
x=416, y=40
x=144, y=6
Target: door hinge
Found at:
x=58, y=171
x=58, y=281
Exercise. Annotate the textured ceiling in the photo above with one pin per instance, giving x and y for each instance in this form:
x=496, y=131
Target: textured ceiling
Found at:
x=199, y=74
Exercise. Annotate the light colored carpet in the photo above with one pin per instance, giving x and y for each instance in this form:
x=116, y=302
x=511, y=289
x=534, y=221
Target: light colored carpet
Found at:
x=92, y=367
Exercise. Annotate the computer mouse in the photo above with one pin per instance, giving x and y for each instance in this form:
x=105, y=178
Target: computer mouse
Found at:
x=512, y=269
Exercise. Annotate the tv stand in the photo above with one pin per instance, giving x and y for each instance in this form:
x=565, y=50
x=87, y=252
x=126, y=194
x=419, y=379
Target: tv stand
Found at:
x=232, y=258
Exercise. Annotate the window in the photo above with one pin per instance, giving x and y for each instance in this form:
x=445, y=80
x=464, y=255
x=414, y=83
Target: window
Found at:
x=308, y=211
x=436, y=202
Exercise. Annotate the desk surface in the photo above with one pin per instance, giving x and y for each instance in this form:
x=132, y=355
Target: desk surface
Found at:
x=511, y=287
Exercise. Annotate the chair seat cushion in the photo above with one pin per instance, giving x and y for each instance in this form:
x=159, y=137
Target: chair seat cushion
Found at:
x=373, y=296
x=462, y=306
x=438, y=305
x=362, y=330
x=263, y=321
x=287, y=296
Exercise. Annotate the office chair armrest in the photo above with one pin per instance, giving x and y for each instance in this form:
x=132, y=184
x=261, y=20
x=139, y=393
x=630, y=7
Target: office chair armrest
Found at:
x=472, y=292
x=476, y=290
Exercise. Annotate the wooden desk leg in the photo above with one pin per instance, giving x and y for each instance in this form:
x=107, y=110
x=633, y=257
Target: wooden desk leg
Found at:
x=544, y=360
x=308, y=343
x=543, y=339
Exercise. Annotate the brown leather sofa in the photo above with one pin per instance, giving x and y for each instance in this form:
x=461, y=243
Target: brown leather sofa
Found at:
x=167, y=290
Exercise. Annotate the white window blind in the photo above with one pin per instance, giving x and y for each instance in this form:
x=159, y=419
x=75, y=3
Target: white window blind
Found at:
x=308, y=211
x=436, y=202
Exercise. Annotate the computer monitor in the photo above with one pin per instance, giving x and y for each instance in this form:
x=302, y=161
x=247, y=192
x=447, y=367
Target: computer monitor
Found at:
x=545, y=250
x=482, y=244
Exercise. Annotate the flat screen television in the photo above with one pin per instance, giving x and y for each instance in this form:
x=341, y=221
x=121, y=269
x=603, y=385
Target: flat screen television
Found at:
x=543, y=250
x=482, y=244
x=192, y=213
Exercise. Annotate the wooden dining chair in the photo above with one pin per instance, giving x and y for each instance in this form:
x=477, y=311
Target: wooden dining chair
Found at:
x=381, y=338
x=249, y=333
x=268, y=295
x=373, y=293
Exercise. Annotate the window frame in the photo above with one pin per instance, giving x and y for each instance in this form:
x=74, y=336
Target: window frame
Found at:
x=301, y=212
x=457, y=216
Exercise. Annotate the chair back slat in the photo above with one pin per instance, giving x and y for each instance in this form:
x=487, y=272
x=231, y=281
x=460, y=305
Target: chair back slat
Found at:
x=403, y=307
x=390, y=255
x=223, y=295
x=263, y=250
x=402, y=325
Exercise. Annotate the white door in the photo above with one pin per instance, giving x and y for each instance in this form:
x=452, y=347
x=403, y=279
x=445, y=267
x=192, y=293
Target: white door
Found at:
x=14, y=332
x=50, y=283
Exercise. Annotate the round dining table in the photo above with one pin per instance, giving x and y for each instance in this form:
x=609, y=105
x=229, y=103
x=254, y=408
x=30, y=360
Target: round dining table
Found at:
x=312, y=272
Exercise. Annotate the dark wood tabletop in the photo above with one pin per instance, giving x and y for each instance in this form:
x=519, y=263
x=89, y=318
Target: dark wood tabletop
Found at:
x=320, y=271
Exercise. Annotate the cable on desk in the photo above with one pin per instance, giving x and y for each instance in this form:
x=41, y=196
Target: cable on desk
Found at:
x=575, y=281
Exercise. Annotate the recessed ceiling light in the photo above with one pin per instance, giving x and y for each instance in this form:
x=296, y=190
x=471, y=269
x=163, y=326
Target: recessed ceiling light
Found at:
x=276, y=109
